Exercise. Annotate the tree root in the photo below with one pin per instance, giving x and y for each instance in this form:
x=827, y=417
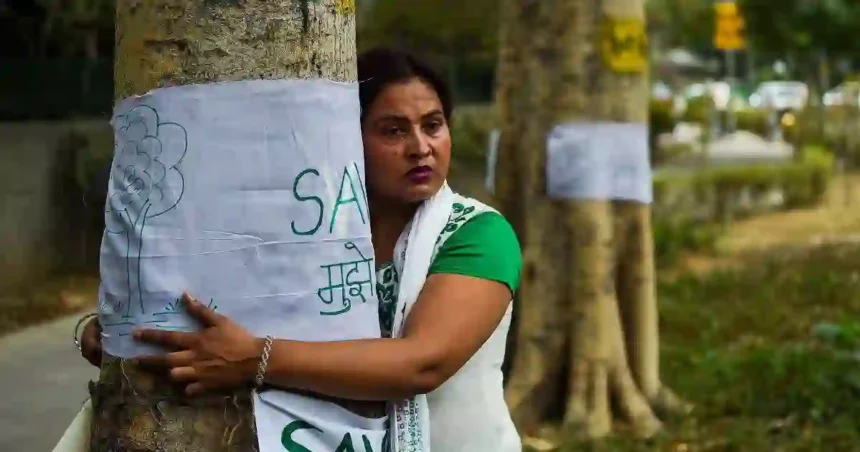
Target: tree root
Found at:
x=667, y=404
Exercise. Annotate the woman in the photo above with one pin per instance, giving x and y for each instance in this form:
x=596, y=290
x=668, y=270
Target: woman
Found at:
x=451, y=345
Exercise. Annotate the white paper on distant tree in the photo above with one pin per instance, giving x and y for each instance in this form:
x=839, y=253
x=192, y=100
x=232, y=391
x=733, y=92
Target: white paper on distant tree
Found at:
x=599, y=161
x=251, y=196
x=492, y=160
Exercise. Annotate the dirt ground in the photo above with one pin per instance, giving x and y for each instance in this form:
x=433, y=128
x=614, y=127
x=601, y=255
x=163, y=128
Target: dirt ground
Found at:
x=836, y=220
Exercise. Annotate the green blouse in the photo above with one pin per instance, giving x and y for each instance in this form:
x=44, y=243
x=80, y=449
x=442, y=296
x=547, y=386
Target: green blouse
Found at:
x=485, y=246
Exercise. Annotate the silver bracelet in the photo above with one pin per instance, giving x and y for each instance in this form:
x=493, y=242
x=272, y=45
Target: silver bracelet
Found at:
x=78, y=327
x=264, y=361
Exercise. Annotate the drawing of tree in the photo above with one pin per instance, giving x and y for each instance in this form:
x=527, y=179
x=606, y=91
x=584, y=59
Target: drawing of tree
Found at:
x=146, y=182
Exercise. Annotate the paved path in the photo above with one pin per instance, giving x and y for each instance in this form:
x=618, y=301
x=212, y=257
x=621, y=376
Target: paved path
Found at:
x=43, y=381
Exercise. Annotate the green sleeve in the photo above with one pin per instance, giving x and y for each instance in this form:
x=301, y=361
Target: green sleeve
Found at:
x=484, y=247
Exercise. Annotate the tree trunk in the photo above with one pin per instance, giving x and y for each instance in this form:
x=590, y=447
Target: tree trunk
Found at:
x=162, y=43
x=588, y=317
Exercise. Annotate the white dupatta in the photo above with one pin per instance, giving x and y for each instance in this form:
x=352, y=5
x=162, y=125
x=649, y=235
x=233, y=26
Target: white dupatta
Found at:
x=410, y=418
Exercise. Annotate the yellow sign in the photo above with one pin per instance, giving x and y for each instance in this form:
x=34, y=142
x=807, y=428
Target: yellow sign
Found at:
x=726, y=8
x=729, y=30
x=345, y=6
x=624, y=45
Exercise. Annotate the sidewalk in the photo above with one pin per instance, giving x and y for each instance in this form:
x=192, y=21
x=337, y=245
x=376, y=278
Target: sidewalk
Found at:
x=43, y=380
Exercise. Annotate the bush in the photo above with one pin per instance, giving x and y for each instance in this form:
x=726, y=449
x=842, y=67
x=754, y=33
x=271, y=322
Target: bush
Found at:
x=676, y=235
x=721, y=193
x=747, y=345
x=660, y=121
x=699, y=110
x=753, y=120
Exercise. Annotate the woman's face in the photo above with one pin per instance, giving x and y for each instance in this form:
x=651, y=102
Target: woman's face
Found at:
x=407, y=145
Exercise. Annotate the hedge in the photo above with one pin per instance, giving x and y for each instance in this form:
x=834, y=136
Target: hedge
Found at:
x=723, y=193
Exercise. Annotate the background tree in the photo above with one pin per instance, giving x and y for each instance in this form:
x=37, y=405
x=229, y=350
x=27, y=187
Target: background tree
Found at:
x=797, y=30
x=176, y=42
x=587, y=319
x=685, y=24
x=802, y=26
x=458, y=35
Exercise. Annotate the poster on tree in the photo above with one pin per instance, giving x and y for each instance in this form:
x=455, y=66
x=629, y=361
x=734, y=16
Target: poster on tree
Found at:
x=249, y=195
x=599, y=161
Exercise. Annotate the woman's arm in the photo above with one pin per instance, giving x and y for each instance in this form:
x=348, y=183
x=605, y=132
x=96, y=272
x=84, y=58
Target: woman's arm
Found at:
x=91, y=342
x=462, y=302
x=451, y=320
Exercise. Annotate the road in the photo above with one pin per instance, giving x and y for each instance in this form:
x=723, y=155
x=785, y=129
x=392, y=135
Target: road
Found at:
x=44, y=382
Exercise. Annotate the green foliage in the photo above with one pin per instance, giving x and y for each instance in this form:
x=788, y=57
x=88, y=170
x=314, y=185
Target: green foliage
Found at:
x=676, y=235
x=700, y=110
x=845, y=336
x=459, y=37
x=742, y=341
x=683, y=23
x=660, y=120
x=674, y=152
x=446, y=27
x=803, y=183
x=773, y=28
x=739, y=344
x=676, y=231
x=753, y=120
x=802, y=26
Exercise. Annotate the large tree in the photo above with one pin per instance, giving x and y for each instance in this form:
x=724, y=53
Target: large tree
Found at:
x=587, y=310
x=163, y=43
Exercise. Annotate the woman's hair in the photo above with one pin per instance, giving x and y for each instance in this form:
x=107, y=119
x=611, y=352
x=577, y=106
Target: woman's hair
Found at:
x=381, y=66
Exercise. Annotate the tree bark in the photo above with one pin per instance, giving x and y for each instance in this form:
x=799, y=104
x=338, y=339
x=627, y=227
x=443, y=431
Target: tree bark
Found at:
x=162, y=43
x=588, y=318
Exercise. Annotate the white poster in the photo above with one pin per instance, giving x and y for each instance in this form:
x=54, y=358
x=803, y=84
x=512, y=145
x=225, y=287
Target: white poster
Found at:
x=294, y=423
x=251, y=196
x=599, y=161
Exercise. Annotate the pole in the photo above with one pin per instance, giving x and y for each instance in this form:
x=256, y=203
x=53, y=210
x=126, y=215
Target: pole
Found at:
x=730, y=74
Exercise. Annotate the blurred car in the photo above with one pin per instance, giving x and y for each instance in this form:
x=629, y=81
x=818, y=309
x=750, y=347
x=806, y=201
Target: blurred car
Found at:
x=781, y=96
x=840, y=94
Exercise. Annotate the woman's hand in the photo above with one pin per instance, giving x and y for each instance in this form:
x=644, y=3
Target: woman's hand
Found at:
x=221, y=356
x=91, y=342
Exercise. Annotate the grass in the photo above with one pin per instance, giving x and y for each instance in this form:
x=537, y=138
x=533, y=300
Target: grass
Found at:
x=740, y=344
x=768, y=352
